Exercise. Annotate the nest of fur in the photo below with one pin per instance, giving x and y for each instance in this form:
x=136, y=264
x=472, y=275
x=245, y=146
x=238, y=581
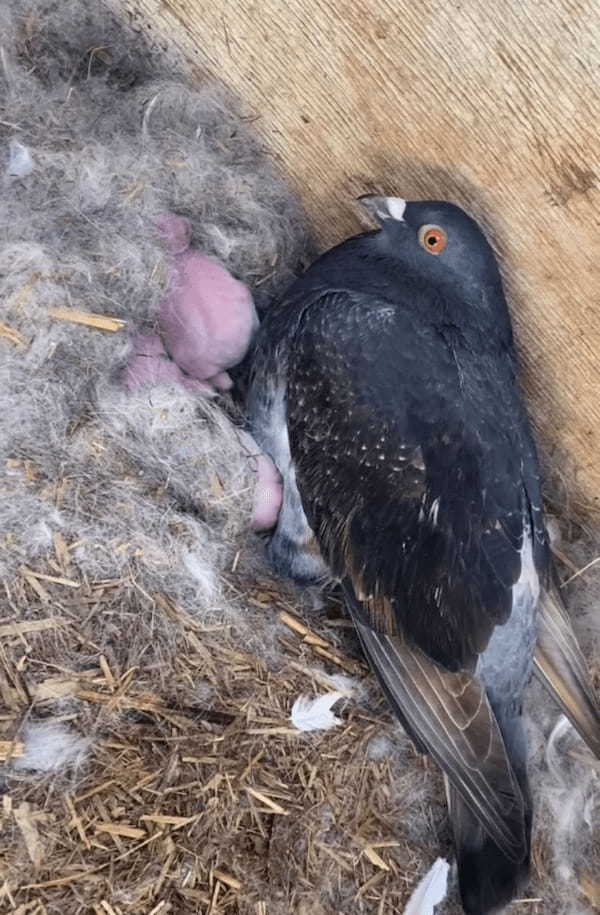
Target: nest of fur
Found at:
x=148, y=660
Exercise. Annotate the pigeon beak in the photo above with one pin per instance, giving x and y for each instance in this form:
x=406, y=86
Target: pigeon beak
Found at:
x=382, y=208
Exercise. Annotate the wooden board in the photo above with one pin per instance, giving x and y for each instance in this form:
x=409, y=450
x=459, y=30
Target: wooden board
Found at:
x=493, y=105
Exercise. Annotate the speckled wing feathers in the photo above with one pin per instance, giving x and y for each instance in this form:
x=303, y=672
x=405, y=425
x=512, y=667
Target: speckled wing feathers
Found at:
x=406, y=497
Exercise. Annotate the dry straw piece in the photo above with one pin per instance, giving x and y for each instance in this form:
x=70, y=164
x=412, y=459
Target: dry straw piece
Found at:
x=149, y=662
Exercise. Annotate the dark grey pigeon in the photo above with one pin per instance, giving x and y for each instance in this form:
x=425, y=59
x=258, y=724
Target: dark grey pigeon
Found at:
x=384, y=389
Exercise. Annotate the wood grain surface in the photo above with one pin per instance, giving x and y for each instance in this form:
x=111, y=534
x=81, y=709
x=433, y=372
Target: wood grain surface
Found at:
x=493, y=105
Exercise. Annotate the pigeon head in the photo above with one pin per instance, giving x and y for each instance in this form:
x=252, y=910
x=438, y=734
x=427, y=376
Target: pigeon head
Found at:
x=440, y=244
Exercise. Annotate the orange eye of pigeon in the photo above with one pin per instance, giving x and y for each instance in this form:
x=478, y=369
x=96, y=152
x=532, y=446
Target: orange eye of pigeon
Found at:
x=432, y=238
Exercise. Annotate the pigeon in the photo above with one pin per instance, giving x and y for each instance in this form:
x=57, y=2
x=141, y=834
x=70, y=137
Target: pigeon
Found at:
x=385, y=389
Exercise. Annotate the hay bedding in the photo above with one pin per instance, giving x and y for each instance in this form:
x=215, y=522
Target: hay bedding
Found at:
x=148, y=661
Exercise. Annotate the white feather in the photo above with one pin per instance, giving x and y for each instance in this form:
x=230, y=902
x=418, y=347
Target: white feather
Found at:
x=315, y=714
x=341, y=683
x=202, y=571
x=430, y=891
x=20, y=163
x=50, y=747
x=554, y=532
x=379, y=747
x=553, y=756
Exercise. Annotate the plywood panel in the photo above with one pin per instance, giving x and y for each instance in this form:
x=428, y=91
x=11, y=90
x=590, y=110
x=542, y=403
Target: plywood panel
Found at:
x=494, y=105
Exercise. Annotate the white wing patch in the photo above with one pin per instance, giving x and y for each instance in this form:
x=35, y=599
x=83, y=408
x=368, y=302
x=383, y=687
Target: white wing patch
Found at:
x=434, y=511
x=527, y=588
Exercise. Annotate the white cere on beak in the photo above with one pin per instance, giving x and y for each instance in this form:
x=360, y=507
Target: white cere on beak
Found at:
x=382, y=208
x=396, y=207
